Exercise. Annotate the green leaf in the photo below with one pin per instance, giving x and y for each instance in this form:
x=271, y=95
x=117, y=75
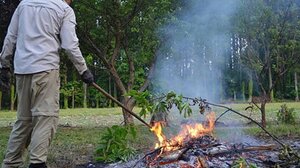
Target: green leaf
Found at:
x=114, y=144
x=133, y=131
x=170, y=95
x=143, y=112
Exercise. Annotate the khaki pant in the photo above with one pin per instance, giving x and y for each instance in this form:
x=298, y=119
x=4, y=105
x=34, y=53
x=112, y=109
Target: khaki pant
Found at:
x=37, y=118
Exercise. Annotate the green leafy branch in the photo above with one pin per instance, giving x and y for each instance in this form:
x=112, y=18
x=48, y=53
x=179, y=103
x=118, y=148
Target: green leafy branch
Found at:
x=114, y=144
x=151, y=105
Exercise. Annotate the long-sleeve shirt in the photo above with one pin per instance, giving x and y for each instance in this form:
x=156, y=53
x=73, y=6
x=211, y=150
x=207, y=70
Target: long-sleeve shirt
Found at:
x=38, y=29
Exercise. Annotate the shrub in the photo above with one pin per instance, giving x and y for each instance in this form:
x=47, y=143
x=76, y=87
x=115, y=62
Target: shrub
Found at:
x=114, y=144
x=286, y=115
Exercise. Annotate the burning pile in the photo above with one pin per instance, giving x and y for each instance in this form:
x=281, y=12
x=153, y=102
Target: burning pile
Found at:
x=188, y=132
x=195, y=146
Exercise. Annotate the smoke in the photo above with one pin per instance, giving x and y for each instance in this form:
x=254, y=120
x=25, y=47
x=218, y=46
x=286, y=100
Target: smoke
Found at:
x=192, y=56
x=197, y=48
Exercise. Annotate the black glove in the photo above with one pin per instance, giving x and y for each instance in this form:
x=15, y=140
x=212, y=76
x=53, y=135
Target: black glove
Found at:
x=87, y=77
x=5, y=76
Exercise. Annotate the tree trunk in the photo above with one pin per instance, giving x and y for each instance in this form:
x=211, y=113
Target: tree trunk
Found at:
x=234, y=95
x=243, y=92
x=110, y=102
x=66, y=103
x=296, y=86
x=271, y=84
x=263, y=113
x=115, y=94
x=250, y=89
x=73, y=97
x=128, y=119
x=12, y=97
x=84, y=95
x=64, y=80
x=221, y=92
x=97, y=102
x=0, y=100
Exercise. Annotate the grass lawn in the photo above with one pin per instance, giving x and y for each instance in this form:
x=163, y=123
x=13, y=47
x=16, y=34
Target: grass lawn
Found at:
x=78, y=134
x=80, y=130
x=76, y=117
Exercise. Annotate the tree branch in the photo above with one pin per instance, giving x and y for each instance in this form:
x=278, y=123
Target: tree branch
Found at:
x=138, y=6
x=99, y=52
x=117, y=48
x=130, y=64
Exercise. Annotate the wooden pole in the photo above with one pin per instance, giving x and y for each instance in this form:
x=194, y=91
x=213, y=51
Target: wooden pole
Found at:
x=119, y=103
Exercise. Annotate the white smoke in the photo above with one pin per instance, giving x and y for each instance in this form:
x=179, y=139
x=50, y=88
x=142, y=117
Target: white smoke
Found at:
x=191, y=59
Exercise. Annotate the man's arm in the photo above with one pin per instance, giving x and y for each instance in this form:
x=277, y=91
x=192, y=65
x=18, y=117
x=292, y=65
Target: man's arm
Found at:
x=10, y=40
x=69, y=41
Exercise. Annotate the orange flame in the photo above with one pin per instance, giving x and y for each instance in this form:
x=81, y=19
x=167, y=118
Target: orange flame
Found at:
x=157, y=129
x=189, y=131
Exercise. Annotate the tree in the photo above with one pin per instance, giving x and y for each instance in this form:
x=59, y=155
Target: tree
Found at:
x=270, y=30
x=121, y=37
x=296, y=71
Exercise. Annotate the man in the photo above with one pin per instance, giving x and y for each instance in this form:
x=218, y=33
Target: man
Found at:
x=37, y=31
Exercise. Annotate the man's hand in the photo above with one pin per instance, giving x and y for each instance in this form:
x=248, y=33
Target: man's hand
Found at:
x=5, y=76
x=87, y=77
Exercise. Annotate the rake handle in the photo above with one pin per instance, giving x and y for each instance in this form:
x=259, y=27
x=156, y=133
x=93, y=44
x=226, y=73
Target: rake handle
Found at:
x=119, y=103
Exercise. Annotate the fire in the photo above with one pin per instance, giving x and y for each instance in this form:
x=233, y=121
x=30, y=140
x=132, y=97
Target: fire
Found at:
x=189, y=131
x=157, y=129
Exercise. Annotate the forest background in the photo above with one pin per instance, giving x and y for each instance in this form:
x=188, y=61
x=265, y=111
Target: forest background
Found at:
x=233, y=51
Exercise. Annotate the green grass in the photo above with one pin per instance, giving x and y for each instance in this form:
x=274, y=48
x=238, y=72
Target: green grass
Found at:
x=280, y=130
x=271, y=110
x=78, y=134
x=76, y=117
x=80, y=130
x=4, y=134
x=72, y=146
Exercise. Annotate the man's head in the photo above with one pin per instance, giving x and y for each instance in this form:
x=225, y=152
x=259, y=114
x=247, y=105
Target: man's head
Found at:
x=69, y=1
